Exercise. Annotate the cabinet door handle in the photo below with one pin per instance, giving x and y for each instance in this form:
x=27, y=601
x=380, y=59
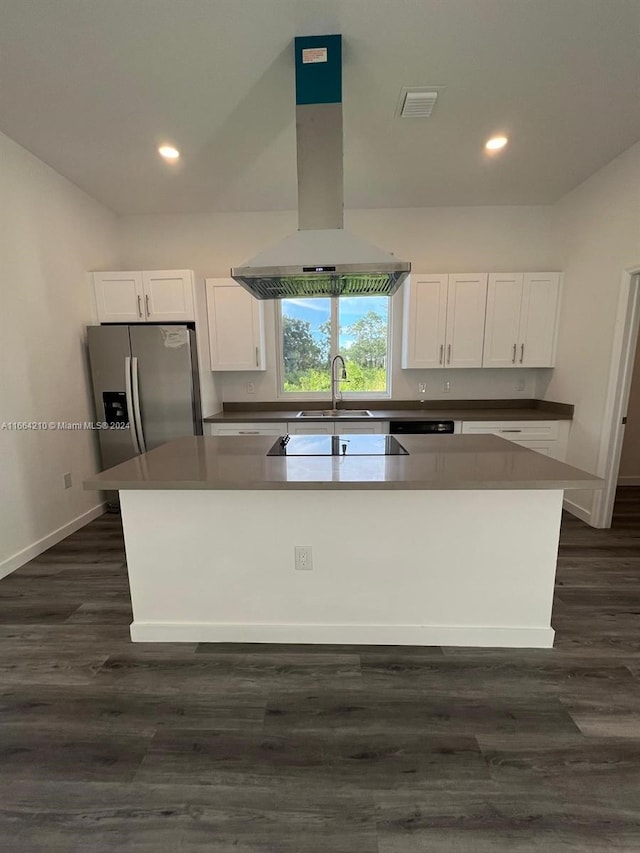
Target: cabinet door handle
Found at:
x=441, y=352
x=449, y=354
x=248, y=432
x=257, y=358
x=139, y=305
x=146, y=302
x=510, y=430
x=513, y=359
x=521, y=353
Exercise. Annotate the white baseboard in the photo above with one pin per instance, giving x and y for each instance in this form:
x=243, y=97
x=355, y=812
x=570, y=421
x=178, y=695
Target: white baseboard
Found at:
x=21, y=557
x=403, y=635
x=579, y=511
x=629, y=481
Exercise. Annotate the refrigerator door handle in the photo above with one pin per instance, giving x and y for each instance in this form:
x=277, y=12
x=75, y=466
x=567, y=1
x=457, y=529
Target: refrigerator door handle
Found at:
x=129, y=398
x=136, y=404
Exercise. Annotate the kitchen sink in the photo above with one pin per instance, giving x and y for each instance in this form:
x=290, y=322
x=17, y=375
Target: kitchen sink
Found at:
x=339, y=413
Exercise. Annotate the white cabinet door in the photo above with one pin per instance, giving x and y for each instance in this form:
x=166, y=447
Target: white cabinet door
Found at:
x=168, y=296
x=302, y=428
x=425, y=318
x=466, y=306
x=362, y=427
x=539, y=319
x=119, y=297
x=501, y=330
x=236, y=326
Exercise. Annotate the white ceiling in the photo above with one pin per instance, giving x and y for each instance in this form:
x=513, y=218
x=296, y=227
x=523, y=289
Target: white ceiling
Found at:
x=93, y=86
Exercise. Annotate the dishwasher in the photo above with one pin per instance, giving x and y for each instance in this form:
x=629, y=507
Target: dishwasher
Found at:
x=421, y=427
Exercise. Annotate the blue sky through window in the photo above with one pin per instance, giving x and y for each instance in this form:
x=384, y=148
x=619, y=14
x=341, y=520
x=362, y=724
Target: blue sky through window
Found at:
x=318, y=311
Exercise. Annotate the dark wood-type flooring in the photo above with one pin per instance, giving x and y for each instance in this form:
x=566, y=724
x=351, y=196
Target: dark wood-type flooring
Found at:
x=110, y=746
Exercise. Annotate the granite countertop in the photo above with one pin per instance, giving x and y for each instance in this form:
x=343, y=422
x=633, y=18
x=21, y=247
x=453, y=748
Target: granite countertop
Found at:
x=434, y=462
x=456, y=410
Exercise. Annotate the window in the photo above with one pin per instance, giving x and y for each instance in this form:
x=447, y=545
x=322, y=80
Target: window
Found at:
x=313, y=331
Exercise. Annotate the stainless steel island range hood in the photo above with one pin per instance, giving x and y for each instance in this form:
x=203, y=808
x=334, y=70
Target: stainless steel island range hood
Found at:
x=321, y=258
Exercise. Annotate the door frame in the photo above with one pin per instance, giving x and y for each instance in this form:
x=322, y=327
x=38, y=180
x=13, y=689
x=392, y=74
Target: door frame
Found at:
x=623, y=352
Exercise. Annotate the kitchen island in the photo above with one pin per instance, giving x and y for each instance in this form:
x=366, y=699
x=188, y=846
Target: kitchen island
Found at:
x=452, y=543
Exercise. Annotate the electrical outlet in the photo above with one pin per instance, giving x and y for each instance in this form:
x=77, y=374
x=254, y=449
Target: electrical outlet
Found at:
x=303, y=558
x=66, y=479
x=422, y=389
x=520, y=384
x=251, y=388
x=446, y=386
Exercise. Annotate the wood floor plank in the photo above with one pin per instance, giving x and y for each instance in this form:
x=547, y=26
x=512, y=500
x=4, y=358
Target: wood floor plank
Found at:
x=107, y=745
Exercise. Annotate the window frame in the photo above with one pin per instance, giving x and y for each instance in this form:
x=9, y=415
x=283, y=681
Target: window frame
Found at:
x=333, y=351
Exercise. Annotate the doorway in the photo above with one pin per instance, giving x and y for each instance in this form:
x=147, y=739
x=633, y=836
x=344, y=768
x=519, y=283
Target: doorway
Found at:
x=619, y=401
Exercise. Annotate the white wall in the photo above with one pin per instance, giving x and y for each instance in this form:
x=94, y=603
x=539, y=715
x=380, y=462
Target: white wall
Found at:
x=596, y=234
x=456, y=239
x=51, y=233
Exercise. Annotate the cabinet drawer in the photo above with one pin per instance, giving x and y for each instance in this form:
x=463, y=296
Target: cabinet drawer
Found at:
x=245, y=429
x=515, y=430
x=546, y=447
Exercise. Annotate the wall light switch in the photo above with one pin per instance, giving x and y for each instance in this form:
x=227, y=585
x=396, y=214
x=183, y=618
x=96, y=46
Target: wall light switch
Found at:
x=251, y=388
x=446, y=386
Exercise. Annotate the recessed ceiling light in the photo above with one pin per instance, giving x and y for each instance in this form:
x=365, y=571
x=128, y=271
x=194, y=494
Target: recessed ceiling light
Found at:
x=495, y=143
x=168, y=152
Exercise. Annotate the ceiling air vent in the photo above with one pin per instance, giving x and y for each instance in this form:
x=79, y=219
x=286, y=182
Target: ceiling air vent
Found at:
x=417, y=103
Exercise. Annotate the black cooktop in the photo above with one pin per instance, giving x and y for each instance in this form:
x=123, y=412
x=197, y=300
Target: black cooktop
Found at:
x=337, y=445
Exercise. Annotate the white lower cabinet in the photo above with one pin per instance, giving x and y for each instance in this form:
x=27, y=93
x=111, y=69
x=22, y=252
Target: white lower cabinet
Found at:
x=300, y=427
x=548, y=437
x=303, y=427
x=338, y=428
x=227, y=428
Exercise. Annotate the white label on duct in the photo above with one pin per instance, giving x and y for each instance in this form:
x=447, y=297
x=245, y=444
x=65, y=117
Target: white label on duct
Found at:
x=314, y=54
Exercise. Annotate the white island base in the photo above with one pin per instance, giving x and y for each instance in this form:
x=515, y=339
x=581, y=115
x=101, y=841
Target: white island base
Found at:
x=407, y=567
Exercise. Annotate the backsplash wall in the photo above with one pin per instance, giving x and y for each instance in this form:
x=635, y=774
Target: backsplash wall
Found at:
x=469, y=384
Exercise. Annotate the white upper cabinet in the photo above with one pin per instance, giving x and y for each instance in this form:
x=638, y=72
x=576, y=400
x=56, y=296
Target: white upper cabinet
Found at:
x=444, y=320
x=236, y=326
x=140, y=297
x=539, y=319
x=504, y=300
x=119, y=297
x=168, y=295
x=466, y=305
x=522, y=319
x=425, y=320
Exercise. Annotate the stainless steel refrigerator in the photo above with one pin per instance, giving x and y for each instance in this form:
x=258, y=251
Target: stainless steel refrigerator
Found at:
x=145, y=386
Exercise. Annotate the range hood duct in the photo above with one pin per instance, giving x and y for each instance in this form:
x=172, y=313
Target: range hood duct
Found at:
x=321, y=258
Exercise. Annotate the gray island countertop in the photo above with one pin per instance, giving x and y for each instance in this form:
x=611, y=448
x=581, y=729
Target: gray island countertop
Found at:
x=434, y=462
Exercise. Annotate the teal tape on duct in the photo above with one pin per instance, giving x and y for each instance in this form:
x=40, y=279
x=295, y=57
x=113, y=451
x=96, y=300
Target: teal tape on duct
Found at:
x=318, y=69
